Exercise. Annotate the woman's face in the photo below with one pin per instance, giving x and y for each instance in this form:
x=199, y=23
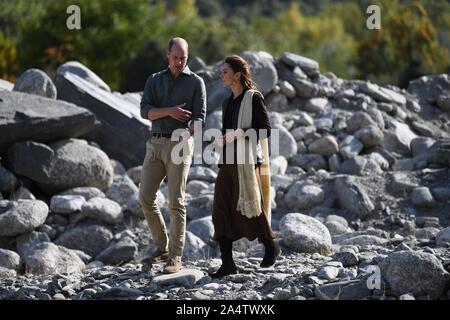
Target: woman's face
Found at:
x=228, y=76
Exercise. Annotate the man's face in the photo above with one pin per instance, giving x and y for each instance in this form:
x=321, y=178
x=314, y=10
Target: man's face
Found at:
x=177, y=57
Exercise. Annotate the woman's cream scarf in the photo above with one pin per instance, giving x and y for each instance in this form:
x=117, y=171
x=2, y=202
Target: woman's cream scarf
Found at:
x=250, y=191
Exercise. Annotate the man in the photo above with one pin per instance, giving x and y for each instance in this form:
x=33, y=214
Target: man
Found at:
x=172, y=98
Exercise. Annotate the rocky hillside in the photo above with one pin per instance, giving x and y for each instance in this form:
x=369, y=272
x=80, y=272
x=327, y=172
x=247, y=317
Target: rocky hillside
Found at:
x=361, y=190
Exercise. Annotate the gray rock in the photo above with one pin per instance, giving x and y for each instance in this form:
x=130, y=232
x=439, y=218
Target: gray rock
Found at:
x=278, y=165
x=344, y=290
x=202, y=228
x=48, y=258
x=324, y=124
x=119, y=252
x=124, y=118
x=316, y=105
x=353, y=197
x=350, y=147
x=22, y=194
x=263, y=70
x=418, y=273
x=370, y=136
x=443, y=102
x=398, y=137
x=426, y=233
x=443, y=237
x=421, y=144
x=334, y=162
x=304, y=234
x=121, y=190
x=91, y=239
x=194, y=248
x=304, y=196
x=8, y=182
x=196, y=64
x=287, y=89
x=35, y=81
x=6, y=85
x=20, y=217
x=338, y=219
x=347, y=258
x=325, y=146
x=287, y=146
x=309, y=66
x=66, y=204
x=83, y=72
x=26, y=117
x=305, y=120
x=336, y=228
x=309, y=161
x=305, y=89
x=200, y=206
x=194, y=187
x=26, y=242
x=402, y=183
x=359, y=120
x=213, y=120
x=302, y=133
x=135, y=174
x=364, y=240
x=103, y=209
x=62, y=165
x=422, y=197
x=7, y=273
x=85, y=192
x=202, y=173
x=353, y=166
x=118, y=168
x=383, y=94
x=10, y=260
x=441, y=193
x=277, y=102
x=328, y=273
x=185, y=278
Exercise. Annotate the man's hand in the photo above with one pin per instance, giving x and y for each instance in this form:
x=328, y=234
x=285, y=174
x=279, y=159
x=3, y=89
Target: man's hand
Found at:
x=180, y=114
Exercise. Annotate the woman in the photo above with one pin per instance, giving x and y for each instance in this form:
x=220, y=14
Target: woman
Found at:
x=232, y=220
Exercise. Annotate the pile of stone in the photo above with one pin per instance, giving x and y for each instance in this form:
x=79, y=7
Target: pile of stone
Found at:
x=360, y=188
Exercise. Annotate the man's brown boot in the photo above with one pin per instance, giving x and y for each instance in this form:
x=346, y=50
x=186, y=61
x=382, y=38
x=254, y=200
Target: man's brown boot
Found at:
x=173, y=265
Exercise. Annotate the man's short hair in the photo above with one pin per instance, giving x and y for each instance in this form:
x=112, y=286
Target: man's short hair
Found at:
x=177, y=39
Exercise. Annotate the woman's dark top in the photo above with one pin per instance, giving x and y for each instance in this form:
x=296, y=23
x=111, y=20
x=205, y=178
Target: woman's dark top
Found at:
x=230, y=112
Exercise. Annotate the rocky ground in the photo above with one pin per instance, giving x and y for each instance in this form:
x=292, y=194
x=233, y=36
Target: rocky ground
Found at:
x=361, y=190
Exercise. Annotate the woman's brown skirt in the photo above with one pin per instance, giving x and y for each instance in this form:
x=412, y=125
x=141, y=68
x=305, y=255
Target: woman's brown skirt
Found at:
x=227, y=220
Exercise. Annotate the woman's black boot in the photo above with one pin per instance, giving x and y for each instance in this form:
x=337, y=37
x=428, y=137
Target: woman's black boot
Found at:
x=228, y=266
x=271, y=252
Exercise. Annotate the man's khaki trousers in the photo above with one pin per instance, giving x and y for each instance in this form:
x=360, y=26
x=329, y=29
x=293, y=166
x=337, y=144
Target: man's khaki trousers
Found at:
x=158, y=164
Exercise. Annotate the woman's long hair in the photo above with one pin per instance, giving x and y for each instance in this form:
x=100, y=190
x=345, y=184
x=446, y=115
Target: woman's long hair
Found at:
x=238, y=64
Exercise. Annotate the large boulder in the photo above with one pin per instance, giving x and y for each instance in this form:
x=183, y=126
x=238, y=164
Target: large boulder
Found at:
x=83, y=72
x=20, y=217
x=353, y=197
x=103, y=210
x=24, y=117
x=202, y=228
x=91, y=239
x=6, y=85
x=398, y=137
x=8, y=181
x=62, y=165
x=304, y=196
x=309, y=66
x=263, y=70
x=36, y=82
x=118, y=252
x=10, y=260
x=383, y=94
x=418, y=273
x=43, y=257
x=123, y=132
x=303, y=233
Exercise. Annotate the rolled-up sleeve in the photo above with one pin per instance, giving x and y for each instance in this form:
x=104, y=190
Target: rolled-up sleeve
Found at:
x=147, y=101
x=199, y=102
